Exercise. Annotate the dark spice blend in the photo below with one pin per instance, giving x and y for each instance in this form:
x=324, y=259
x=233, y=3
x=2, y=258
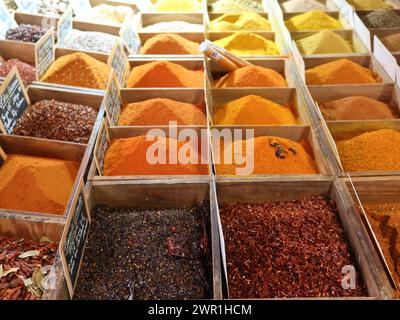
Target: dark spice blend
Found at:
x=26, y=71
x=26, y=33
x=146, y=254
x=382, y=18
x=286, y=249
x=50, y=119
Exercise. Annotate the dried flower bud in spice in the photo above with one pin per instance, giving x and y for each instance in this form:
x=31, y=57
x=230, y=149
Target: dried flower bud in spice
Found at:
x=147, y=254
x=21, y=267
x=26, y=33
x=286, y=249
x=26, y=71
x=50, y=119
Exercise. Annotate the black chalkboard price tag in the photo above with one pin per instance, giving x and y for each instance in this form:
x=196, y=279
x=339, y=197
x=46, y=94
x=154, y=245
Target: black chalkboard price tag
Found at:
x=44, y=53
x=64, y=25
x=73, y=240
x=119, y=62
x=13, y=101
x=129, y=34
x=6, y=20
x=28, y=6
x=112, y=101
x=101, y=147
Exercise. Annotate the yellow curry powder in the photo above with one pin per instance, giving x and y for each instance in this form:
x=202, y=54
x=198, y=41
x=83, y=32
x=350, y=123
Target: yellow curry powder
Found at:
x=312, y=20
x=342, y=71
x=253, y=110
x=371, y=151
x=324, y=42
x=368, y=4
x=246, y=44
x=178, y=6
x=80, y=70
x=34, y=184
x=249, y=21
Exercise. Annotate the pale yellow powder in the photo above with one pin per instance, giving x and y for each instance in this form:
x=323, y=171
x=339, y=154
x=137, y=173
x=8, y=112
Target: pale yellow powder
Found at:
x=249, y=21
x=312, y=20
x=324, y=42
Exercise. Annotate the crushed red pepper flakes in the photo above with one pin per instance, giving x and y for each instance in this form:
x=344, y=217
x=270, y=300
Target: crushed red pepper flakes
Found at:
x=286, y=249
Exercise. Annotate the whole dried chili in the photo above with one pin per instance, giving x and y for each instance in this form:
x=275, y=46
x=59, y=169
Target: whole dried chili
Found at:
x=286, y=249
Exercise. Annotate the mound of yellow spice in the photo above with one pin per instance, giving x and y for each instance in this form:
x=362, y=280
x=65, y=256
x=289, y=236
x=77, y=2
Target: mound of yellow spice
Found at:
x=369, y=4
x=253, y=110
x=249, y=21
x=324, y=42
x=128, y=156
x=159, y=74
x=161, y=111
x=251, y=76
x=243, y=43
x=169, y=44
x=35, y=184
x=371, y=151
x=272, y=155
x=342, y=71
x=312, y=20
x=356, y=108
x=79, y=70
x=178, y=6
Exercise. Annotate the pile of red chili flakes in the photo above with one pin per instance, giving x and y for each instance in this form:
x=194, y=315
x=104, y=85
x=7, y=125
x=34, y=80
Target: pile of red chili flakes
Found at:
x=287, y=249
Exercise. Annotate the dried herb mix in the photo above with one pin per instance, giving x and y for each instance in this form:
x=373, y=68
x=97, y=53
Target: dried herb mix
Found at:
x=286, y=249
x=21, y=267
x=146, y=254
x=26, y=33
x=50, y=119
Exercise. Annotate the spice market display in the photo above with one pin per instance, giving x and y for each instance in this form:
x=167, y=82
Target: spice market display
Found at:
x=199, y=149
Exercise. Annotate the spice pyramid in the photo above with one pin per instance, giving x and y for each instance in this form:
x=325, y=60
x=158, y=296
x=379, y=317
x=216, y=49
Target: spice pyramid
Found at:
x=312, y=20
x=170, y=44
x=252, y=76
x=253, y=110
x=36, y=184
x=303, y=5
x=392, y=42
x=178, y=6
x=249, y=21
x=247, y=43
x=133, y=156
x=324, y=42
x=342, y=71
x=160, y=112
x=80, y=70
x=166, y=74
x=371, y=151
x=368, y=4
x=272, y=155
x=356, y=108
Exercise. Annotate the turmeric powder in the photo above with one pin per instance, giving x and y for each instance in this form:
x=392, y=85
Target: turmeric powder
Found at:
x=243, y=43
x=80, y=70
x=371, y=151
x=169, y=44
x=164, y=74
x=253, y=110
x=342, y=71
x=251, y=76
x=312, y=20
x=249, y=21
x=272, y=155
x=128, y=157
x=35, y=184
x=178, y=6
x=324, y=42
x=160, y=112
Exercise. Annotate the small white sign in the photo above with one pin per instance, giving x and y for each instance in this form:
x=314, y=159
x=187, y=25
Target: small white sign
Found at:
x=385, y=58
x=362, y=31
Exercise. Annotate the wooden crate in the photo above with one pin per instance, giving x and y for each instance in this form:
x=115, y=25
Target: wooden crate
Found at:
x=259, y=191
x=106, y=136
x=31, y=227
x=295, y=133
x=372, y=191
x=46, y=149
x=147, y=19
x=162, y=194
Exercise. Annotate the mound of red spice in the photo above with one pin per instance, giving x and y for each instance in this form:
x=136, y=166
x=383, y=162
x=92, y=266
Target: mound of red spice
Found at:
x=286, y=249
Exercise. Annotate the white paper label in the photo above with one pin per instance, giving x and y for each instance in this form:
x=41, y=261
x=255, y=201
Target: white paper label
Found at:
x=385, y=58
x=362, y=31
x=6, y=20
